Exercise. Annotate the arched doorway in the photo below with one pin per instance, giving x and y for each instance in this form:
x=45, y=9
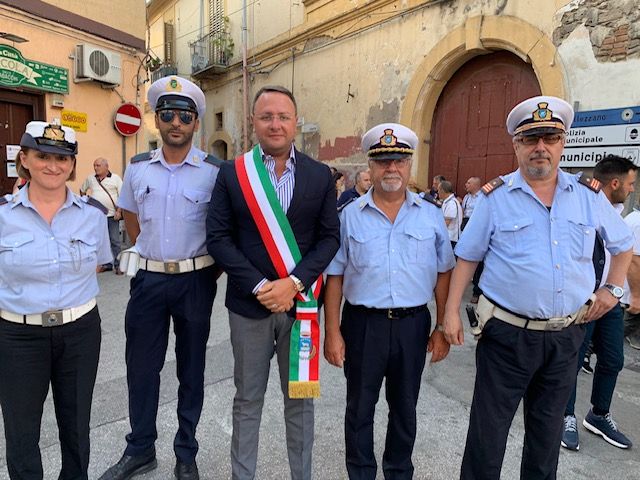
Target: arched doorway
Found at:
x=468, y=133
x=219, y=149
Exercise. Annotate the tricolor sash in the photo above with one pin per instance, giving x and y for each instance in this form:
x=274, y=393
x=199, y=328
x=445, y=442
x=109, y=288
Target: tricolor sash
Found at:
x=281, y=245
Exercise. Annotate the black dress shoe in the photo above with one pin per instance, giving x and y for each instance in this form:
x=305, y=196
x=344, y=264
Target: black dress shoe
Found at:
x=128, y=466
x=186, y=471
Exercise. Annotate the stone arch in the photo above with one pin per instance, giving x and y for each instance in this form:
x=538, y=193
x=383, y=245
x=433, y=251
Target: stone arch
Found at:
x=221, y=140
x=478, y=36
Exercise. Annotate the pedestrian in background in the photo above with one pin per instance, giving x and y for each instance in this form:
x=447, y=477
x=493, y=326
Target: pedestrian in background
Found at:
x=617, y=176
x=394, y=255
x=105, y=187
x=51, y=241
x=535, y=229
x=164, y=197
x=631, y=296
x=451, y=210
x=273, y=227
x=363, y=183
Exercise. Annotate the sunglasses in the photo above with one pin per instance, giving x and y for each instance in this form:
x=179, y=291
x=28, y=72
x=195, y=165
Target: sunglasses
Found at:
x=548, y=139
x=185, y=116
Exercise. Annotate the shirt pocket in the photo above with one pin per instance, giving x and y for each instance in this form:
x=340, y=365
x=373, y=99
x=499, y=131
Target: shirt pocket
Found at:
x=366, y=249
x=143, y=199
x=82, y=249
x=418, y=245
x=517, y=236
x=195, y=204
x=582, y=237
x=17, y=249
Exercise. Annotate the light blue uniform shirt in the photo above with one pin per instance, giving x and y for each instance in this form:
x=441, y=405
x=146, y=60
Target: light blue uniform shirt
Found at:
x=49, y=267
x=538, y=263
x=391, y=265
x=171, y=202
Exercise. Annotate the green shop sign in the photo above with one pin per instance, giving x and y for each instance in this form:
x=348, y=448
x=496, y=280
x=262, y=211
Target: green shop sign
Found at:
x=16, y=71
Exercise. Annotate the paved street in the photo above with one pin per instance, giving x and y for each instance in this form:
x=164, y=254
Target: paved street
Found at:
x=443, y=413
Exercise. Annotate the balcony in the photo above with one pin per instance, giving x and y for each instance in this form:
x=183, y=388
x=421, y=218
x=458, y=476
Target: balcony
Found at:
x=211, y=54
x=163, y=71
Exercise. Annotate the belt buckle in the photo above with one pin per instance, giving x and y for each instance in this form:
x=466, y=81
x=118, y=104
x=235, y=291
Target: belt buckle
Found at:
x=52, y=318
x=390, y=314
x=171, y=267
x=555, y=324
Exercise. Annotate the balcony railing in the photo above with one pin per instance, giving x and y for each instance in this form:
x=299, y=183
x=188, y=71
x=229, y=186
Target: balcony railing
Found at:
x=212, y=52
x=164, y=71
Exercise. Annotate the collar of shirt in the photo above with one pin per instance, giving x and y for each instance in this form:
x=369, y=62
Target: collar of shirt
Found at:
x=22, y=197
x=516, y=180
x=270, y=163
x=194, y=157
x=410, y=198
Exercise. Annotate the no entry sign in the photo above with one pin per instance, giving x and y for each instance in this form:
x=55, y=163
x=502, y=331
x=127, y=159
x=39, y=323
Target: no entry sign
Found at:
x=128, y=119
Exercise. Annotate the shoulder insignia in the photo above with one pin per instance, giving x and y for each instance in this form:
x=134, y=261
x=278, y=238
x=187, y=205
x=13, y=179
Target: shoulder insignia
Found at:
x=3, y=200
x=490, y=186
x=95, y=203
x=351, y=200
x=591, y=183
x=141, y=157
x=215, y=161
x=431, y=200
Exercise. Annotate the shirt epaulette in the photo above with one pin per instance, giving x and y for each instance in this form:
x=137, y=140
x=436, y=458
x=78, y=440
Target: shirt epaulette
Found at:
x=95, y=203
x=141, y=157
x=433, y=201
x=490, y=186
x=341, y=207
x=591, y=183
x=215, y=161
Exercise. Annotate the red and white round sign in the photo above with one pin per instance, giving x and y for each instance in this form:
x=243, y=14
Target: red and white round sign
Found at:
x=128, y=119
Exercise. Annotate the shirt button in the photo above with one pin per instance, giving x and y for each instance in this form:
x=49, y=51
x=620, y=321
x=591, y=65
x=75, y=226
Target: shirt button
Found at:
x=51, y=238
x=559, y=290
x=557, y=266
x=393, y=251
x=555, y=242
x=515, y=226
x=586, y=232
x=54, y=261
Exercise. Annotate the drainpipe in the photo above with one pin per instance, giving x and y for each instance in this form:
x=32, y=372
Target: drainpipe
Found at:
x=245, y=93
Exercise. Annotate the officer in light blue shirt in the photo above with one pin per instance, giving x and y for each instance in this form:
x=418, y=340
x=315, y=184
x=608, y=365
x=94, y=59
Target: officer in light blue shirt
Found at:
x=51, y=242
x=165, y=196
x=535, y=229
x=394, y=255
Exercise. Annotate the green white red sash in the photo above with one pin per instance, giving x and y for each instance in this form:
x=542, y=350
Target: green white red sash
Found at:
x=278, y=237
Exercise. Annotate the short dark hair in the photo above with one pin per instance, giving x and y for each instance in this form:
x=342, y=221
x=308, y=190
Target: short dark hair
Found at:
x=612, y=167
x=446, y=186
x=276, y=89
x=439, y=178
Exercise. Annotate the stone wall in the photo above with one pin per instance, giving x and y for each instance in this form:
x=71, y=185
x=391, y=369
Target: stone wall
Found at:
x=614, y=27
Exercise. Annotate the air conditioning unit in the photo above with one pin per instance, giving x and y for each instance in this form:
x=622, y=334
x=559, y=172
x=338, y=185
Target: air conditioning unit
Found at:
x=96, y=63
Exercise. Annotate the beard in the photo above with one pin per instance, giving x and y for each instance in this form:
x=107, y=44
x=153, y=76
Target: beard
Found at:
x=186, y=139
x=391, y=183
x=539, y=172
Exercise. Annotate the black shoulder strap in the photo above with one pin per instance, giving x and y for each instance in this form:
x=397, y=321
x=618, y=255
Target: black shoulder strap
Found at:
x=215, y=161
x=341, y=207
x=591, y=183
x=141, y=157
x=490, y=186
x=95, y=203
x=431, y=200
x=3, y=200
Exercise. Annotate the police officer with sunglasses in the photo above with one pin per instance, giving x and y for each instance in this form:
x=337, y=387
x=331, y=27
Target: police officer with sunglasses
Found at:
x=164, y=197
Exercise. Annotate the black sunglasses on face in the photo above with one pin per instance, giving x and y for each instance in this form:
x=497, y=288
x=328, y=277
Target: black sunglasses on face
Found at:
x=185, y=116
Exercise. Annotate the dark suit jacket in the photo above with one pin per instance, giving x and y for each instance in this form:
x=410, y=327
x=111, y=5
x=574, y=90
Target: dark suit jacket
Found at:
x=234, y=242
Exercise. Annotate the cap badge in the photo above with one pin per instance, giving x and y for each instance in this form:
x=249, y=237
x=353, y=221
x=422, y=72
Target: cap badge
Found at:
x=542, y=113
x=54, y=133
x=174, y=86
x=388, y=139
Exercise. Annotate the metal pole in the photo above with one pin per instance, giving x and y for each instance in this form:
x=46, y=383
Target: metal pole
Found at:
x=245, y=93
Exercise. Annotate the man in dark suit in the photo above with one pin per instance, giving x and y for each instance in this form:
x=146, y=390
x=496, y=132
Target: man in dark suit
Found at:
x=260, y=296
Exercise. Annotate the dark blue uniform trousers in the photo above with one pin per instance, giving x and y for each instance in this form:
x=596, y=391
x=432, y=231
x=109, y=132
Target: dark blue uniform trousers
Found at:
x=513, y=364
x=155, y=297
x=379, y=348
x=607, y=334
x=31, y=358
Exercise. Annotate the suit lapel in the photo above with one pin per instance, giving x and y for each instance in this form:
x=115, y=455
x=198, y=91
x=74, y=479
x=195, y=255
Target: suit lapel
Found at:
x=300, y=187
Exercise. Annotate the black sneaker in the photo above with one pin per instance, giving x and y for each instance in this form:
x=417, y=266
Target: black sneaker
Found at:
x=586, y=366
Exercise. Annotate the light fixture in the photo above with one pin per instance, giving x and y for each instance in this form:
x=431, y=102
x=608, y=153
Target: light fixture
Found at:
x=13, y=38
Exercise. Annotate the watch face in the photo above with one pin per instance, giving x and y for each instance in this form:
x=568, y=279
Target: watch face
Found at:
x=617, y=292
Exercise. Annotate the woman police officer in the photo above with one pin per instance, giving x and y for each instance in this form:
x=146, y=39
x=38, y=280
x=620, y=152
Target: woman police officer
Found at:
x=51, y=241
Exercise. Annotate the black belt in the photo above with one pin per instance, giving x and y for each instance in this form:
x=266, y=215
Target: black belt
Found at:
x=391, y=313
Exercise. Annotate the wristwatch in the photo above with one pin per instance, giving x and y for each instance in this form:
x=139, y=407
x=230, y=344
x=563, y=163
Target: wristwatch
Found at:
x=297, y=283
x=614, y=290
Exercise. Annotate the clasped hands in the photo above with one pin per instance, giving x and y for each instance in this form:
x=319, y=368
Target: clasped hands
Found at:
x=278, y=296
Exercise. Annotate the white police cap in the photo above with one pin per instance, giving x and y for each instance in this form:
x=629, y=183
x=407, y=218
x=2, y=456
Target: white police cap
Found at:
x=389, y=140
x=542, y=112
x=176, y=93
x=49, y=138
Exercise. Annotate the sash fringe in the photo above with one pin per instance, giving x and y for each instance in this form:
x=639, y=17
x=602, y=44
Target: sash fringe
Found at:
x=304, y=389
